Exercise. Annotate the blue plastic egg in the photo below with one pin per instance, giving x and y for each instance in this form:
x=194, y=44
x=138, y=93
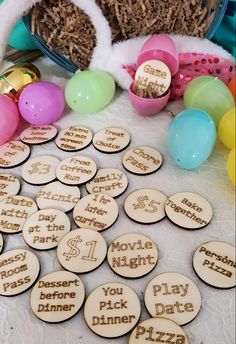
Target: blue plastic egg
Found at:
x=191, y=138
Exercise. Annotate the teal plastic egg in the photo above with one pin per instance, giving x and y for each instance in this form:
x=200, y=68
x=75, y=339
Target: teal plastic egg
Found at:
x=20, y=38
x=191, y=138
x=209, y=94
x=88, y=92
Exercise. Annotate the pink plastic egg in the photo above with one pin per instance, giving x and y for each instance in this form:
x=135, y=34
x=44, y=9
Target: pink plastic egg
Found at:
x=42, y=103
x=9, y=118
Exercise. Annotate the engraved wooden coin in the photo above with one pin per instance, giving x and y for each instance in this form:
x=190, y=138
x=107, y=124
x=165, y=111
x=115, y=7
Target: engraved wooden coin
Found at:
x=145, y=205
x=111, y=140
x=9, y=185
x=214, y=262
x=13, y=153
x=154, y=75
x=112, y=310
x=1, y=242
x=96, y=211
x=132, y=255
x=59, y=196
x=174, y=296
x=74, y=138
x=35, y=135
x=76, y=170
x=188, y=210
x=57, y=296
x=82, y=250
x=44, y=229
x=19, y=269
x=14, y=211
x=109, y=181
x=158, y=330
x=142, y=160
x=40, y=170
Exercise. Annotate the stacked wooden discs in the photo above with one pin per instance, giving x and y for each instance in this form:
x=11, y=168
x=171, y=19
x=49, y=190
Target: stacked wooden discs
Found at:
x=112, y=309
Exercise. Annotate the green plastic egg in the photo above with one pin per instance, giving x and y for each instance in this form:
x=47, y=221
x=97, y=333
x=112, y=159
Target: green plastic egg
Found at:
x=88, y=92
x=209, y=94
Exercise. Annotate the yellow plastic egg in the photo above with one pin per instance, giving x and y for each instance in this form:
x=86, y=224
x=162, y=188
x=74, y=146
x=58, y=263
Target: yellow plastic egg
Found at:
x=231, y=166
x=226, y=128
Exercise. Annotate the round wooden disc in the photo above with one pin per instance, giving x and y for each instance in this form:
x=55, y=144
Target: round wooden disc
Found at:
x=82, y=250
x=96, y=211
x=40, y=170
x=158, y=330
x=145, y=205
x=1, y=242
x=109, y=181
x=111, y=140
x=35, y=135
x=174, y=296
x=9, y=185
x=132, y=255
x=142, y=160
x=112, y=310
x=154, y=75
x=59, y=196
x=74, y=138
x=44, y=229
x=214, y=262
x=13, y=153
x=14, y=211
x=19, y=269
x=57, y=297
x=188, y=210
x=76, y=170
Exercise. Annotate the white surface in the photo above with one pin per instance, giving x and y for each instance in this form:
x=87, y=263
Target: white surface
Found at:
x=215, y=322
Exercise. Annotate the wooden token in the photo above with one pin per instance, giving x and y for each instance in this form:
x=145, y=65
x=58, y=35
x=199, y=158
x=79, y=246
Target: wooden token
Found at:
x=57, y=296
x=188, y=210
x=96, y=211
x=13, y=153
x=82, y=250
x=174, y=296
x=158, y=330
x=112, y=310
x=145, y=205
x=9, y=185
x=109, y=181
x=214, y=262
x=142, y=160
x=154, y=75
x=35, y=135
x=74, y=138
x=1, y=242
x=76, y=170
x=111, y=140
x=132, y=255
x=40, y=170
x=14, y=211
x=19, y=269
x=59, y=196
x=44, y=229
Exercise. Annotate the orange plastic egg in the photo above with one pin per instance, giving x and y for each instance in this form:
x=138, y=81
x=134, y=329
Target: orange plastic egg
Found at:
x=232, y=87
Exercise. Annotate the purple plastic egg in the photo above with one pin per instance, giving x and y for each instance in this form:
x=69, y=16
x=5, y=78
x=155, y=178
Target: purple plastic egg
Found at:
x=9, y=118
x=42, y=103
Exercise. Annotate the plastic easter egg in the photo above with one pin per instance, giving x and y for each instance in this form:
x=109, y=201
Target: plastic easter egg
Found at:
x=13, y=79
x=232, y=87
x=20, y=38
x=191, y=138
x=42, y=103
x=231, y=166
x=9, y=118
x=226, y=129
x=89, y=91
x=209, y=94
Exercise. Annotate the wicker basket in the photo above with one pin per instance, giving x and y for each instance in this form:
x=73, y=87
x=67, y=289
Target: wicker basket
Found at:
x=65, y=33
